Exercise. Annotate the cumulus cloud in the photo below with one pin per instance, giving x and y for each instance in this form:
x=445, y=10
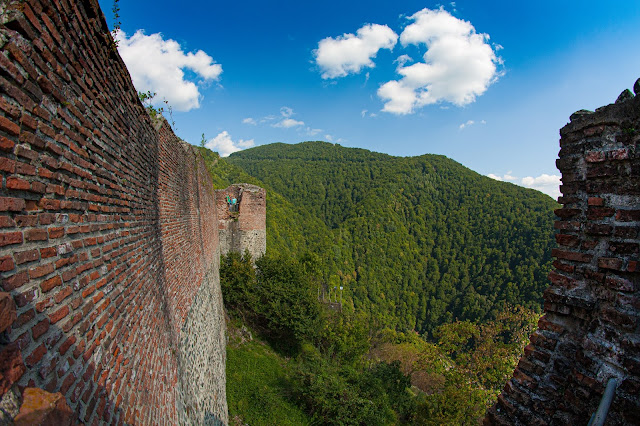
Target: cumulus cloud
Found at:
x=249, y=120
x=549, y=184
x=458, y=66
x=158, y=65
x=224, y=145
x=402, y=60
x=349, y=53
x=286, y=122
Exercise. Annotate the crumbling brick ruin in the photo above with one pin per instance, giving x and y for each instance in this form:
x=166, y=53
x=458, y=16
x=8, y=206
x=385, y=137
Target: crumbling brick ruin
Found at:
x=244, y=227
x=590, y=330
x=109, y=246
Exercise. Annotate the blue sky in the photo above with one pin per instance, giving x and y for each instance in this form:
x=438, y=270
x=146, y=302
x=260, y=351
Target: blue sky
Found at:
x=487, y=84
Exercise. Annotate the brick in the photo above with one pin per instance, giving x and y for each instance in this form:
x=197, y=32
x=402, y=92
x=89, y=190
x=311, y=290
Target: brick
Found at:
x=17, y=183
x=25, y=169
x=51, y=283
x=40, y=328
x=620, y=284
x=9, y=126
x=44, y=304
x=565, y=213
x=49, y=204
x=41, y=270
x=26, y=220
x=27, y=256
x=6, y=264
x=56, y=232
x=36, y=235
x=598, y=229
x=610, y=263
x=6, y=222
x=599, y=212
x=595, y=201
x=59, y=314
x=25, y=318
x=63, y=294
x=628, y=215
x=568, y=240
x=48, y=252
x=15, y=281
x=573, y=256
x=11, y=204
x=562, y=280
x=624, y=247
x=6, y=144
x=66, y=345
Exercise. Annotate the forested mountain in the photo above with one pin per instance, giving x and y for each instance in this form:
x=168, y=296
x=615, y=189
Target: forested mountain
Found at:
x=414, y=241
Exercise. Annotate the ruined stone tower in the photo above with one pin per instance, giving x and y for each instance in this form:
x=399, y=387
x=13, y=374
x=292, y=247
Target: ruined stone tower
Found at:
x=242, y=227
x=590, y=331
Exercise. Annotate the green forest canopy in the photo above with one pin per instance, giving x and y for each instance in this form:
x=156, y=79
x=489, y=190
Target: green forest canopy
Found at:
x=414, y=241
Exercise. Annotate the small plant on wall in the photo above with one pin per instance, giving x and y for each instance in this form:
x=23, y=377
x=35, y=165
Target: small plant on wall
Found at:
x=146, y=98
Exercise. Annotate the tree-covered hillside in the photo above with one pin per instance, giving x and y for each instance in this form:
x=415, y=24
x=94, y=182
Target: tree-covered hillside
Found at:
x=415, y=242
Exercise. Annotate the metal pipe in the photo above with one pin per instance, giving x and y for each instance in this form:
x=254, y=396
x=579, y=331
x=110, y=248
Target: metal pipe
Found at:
x=600, y=415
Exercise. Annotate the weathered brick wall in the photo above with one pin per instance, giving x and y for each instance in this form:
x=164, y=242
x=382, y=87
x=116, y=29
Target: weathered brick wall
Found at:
x=245, y=229
x=108, y=239
x=590, y=330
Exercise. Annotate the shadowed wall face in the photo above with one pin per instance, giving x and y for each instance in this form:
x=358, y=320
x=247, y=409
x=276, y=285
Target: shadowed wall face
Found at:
x=108, y=236
x=590, y=330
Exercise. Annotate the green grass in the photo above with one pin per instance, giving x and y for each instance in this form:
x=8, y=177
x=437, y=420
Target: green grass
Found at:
x=257, y=387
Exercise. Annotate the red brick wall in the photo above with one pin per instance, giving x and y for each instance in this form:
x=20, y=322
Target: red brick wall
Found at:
x=590, y=330
x=107, y=227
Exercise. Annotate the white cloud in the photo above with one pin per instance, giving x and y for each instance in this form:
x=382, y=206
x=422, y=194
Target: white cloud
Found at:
x=158, y=65
x=312, y=132
x=403, y=59
x=329, y=138
x=288, y=123
x=349, y=53
x=549, y=184
x=286, y=111
x=508, y=177
x=224, y=145
x=468, y=123
x=458, y=66
x=249, y=120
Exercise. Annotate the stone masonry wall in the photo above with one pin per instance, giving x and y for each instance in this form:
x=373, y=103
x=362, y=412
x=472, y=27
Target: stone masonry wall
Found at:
x=590, y=331
x=245, y=229
x=108, y=239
